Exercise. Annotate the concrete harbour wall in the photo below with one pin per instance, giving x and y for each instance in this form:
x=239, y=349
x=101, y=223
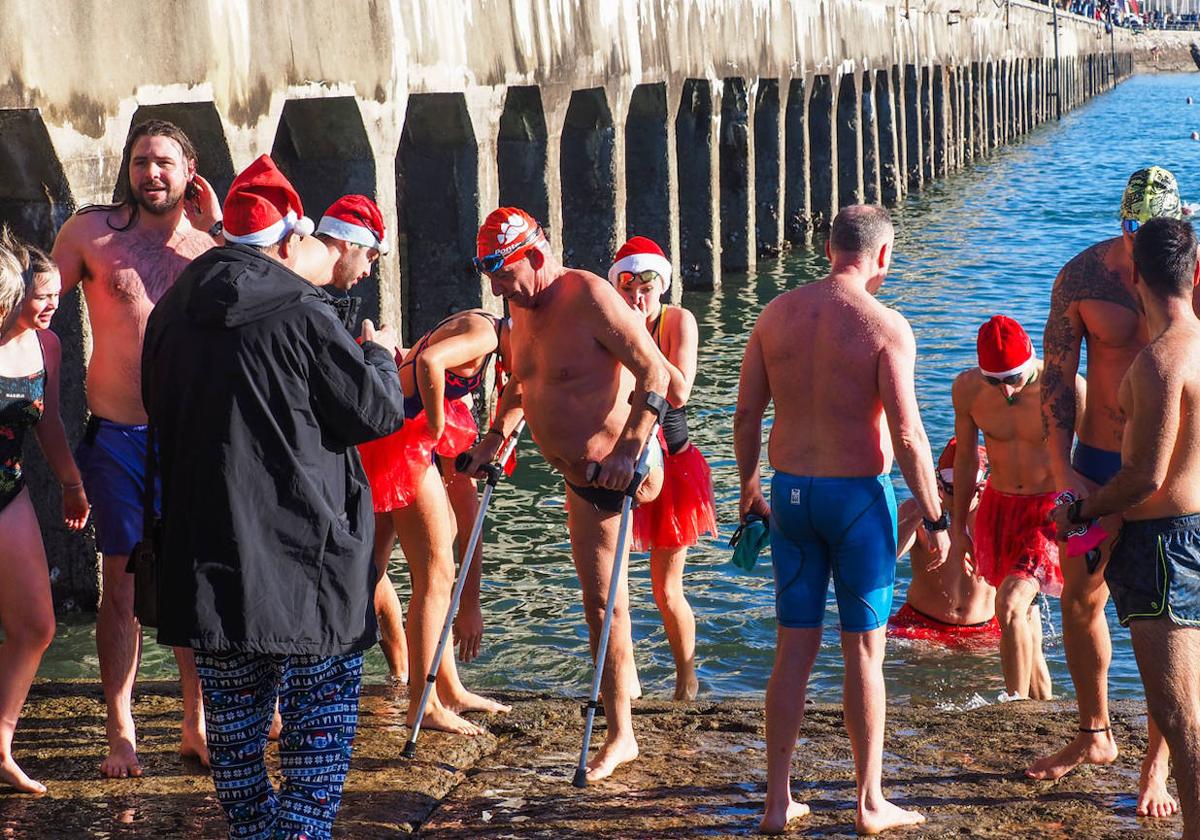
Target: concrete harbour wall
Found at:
x=727, y=130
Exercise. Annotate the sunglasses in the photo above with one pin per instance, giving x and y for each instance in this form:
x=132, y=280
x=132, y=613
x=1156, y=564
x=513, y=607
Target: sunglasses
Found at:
x=1014, y=379
x=629, y=279
x=1130, y=225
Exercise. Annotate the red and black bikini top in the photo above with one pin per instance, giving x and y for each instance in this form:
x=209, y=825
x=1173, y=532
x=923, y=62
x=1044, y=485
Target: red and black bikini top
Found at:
x=457, y=386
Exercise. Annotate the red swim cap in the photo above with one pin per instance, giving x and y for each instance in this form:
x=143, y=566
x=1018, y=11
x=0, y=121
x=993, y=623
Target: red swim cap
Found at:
x=506, y=235
x=945, y=464
x=1004, y=347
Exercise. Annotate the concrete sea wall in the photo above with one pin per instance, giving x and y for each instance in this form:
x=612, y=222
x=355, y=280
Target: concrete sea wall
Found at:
x=727, y=130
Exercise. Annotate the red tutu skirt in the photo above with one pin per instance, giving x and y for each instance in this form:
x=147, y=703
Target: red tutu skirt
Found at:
x=915, y=626
x=684, y=509
x=1012, y=537
x=396, y=464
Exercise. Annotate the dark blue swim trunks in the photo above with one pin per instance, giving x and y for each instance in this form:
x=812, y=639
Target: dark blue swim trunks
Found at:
x=1154, y=571
x=112, y=458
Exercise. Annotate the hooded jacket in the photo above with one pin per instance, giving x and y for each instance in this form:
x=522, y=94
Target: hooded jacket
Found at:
x=257, y=395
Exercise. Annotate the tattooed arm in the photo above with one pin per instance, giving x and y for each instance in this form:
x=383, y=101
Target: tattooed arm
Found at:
x=1061, y=345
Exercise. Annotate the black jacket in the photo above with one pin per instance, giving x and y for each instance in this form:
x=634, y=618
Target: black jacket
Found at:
x=258, y=395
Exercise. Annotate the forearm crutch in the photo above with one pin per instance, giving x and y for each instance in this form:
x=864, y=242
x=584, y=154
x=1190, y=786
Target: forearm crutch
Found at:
x=639, y=476
x=493, y=473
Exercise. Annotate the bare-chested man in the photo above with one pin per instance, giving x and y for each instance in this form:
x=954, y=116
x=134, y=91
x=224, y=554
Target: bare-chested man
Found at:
x=839, y=366
x=947, y=605
x=590, y=381
x=1014, y=547
x=126, y=256
x=1154, y=570
x=1094, y=301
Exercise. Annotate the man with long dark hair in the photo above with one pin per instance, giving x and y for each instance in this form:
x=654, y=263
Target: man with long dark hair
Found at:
x=125, y=256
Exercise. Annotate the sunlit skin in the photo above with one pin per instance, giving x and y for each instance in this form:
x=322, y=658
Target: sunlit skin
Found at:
x=644, y=293
x=580, y=358
x=1094, y=300
x=26, y=608
x=123, y=269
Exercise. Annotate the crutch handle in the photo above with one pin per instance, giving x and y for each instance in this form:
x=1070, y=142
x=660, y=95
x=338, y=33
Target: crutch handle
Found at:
x=639, y=475
x=491, y=471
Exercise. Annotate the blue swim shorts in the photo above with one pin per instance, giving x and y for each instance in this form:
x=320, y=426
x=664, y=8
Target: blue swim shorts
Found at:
x=1154, y=571
x=112, y=458
x=844, y=527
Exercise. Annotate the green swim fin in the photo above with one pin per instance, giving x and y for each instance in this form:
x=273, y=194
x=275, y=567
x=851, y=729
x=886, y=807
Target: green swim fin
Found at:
x=748, y=541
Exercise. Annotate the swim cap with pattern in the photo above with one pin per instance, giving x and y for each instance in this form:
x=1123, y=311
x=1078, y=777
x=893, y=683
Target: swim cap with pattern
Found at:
x=1151, y=193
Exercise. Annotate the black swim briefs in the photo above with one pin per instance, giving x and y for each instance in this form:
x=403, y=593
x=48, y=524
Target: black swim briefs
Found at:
x=603, y=498
x=1154, y=571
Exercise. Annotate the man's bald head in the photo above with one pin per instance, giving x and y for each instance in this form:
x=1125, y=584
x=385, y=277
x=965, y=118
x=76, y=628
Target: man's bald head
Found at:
x=860, y=229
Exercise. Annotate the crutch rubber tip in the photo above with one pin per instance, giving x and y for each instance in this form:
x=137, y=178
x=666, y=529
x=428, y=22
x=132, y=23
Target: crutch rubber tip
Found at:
x=580, y=780
x=410, y=750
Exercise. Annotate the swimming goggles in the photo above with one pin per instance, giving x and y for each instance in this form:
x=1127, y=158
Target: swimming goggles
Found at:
x=493, y=262
x=1130, y=225
x=1013, y=379
x=629, y=279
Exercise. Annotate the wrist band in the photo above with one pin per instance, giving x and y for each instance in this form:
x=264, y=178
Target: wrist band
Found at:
x=492, y=430
x=73, y=485
x=939, y=524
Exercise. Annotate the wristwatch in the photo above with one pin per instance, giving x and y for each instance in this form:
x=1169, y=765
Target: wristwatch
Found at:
x=1073, y=512
x=217, y=229
x=939, y=524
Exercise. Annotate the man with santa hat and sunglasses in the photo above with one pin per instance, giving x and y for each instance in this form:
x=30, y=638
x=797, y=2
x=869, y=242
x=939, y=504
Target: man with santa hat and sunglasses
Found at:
x=257, y=395
x=1014, y=547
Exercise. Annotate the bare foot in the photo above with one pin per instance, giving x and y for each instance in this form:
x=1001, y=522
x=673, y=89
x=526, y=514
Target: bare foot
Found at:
x=12, y=775
x=1087, y=748
x=686, y=687
x=276, y=725
x=884, y=816
x=193, y=743
x=468, y=702
x=775, y=820
x=1154, y=800
x=121, y=761
x=441, y=719
x=611, y=756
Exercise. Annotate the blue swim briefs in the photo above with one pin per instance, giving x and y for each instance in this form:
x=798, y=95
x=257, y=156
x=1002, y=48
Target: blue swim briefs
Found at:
x=840, y=526
x=1094, y=463
x=112, y=458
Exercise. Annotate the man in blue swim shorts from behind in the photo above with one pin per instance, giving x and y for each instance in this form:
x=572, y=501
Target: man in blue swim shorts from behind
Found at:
x=838, y=366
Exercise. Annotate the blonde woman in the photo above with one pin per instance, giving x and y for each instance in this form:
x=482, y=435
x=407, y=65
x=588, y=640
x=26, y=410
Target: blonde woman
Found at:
x=29, y=375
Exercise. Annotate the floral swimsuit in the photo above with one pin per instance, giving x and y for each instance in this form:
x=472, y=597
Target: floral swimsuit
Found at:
x=21, y=407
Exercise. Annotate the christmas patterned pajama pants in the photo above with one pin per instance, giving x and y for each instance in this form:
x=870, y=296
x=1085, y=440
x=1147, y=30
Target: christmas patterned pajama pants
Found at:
x=318, y=700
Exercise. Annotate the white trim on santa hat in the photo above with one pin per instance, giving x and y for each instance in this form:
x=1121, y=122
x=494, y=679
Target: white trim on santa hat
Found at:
x=637, y=263
x=350, y=232
x=1006, y=373
x=274, y=233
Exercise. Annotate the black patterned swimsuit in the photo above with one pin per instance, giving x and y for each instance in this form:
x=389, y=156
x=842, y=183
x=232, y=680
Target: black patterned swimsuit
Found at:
x=21, y=406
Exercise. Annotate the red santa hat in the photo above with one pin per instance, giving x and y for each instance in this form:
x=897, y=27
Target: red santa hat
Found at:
x=641, y=254
x=1004, y=347
x=262, y=207
x=357, y=219
x=945, y=464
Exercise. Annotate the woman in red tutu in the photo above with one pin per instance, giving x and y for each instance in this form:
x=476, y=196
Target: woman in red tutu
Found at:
x=685, y=508
x=437, y=376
